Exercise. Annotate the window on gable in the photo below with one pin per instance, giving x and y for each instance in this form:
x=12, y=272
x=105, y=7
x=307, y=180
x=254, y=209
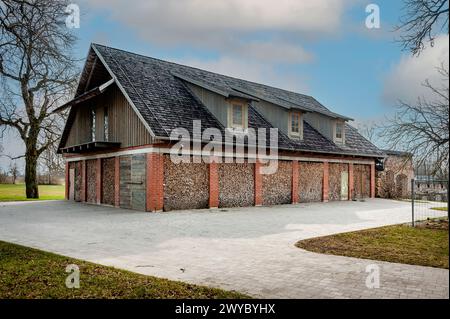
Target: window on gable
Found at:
x=93, y=125
x=295, y=124
x=106, y=124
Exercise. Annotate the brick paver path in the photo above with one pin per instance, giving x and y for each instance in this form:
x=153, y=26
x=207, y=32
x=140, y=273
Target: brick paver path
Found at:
x=250, y=250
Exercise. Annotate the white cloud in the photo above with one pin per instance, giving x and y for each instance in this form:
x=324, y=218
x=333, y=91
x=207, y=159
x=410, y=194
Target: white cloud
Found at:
x=216, y=15
x=230, y=27
x=405, y=80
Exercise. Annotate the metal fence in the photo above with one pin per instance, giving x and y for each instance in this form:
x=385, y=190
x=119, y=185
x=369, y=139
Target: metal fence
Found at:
x=429, y=199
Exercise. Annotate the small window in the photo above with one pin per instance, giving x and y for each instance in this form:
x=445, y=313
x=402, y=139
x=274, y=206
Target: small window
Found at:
x=106, y=124
x=93, y=125
x=237, y=115
x=295, y=124
x=339, y=131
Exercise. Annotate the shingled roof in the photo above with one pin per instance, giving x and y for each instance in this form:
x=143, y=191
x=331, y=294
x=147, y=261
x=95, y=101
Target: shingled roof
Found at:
x=158, y=91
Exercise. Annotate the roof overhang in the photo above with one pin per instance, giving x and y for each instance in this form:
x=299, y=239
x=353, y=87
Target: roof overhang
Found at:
x=89, y=147
x=85, y=96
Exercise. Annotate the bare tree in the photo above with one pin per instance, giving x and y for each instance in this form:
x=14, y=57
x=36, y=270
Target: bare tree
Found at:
x=422, y=21
x=52, y=163
x=3, y=176
x=36, y=72
x=422, y=128
x=13, y=171
x=369, y=130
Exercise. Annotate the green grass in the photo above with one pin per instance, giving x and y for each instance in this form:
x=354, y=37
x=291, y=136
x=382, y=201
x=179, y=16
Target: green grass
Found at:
x=398, y=243
x=16, y=192
x=439, y=208
x=32, y=273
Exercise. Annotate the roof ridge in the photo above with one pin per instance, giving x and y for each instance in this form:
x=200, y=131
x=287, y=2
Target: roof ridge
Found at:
x=197, y=68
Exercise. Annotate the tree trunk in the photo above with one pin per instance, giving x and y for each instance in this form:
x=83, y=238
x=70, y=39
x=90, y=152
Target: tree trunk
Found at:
x=31, y=185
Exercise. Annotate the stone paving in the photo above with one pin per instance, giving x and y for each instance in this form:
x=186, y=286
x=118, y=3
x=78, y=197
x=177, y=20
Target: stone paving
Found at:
x=250, y=250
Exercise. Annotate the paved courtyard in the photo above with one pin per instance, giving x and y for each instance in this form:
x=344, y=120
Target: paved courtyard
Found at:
x=250, y=250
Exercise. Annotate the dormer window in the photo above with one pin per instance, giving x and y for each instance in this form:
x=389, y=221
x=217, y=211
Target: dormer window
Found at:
x=339, y=131
x=295, y=125
x=237, y=115
x=339, y=134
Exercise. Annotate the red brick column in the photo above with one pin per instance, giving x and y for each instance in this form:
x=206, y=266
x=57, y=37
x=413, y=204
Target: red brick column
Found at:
x=67, y=181
x=350, y=181
x=325, y=184
x=213, y=183
x=258, y=184
x=155, y=182
x=294, y=182
x=98, y=181
x=117, y=181
x=372, y=180
x=83, y=181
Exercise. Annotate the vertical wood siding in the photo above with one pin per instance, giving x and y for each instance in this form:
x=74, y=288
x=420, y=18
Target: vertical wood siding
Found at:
x=124, y=124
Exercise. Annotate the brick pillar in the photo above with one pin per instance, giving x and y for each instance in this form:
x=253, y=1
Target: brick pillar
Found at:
x=258, y=184
x=117, y=181
x=294, y=182
x=325, y=184
x=372, y=180
x=67, y=181
x=155, y=182
x=98, y=180
x=350, y=181
x=213, y=183
x=83, y=181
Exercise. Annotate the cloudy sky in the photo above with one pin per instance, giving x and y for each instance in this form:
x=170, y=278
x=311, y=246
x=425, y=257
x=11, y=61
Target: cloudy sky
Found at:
x=317, y=47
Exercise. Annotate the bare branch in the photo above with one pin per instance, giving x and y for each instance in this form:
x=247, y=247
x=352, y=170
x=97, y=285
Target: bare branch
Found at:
x=422, y=22
x=422, y=128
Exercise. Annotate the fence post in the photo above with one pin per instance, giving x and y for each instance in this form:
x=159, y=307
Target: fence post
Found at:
x=412, y=201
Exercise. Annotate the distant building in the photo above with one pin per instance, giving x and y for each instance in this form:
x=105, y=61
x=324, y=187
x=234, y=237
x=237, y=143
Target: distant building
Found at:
x=394, y=180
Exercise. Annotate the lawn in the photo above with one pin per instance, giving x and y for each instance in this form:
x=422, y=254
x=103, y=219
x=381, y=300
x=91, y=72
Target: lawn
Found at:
x=16, y=192
x=426, y=246
x=440, y=208
x=32, y=273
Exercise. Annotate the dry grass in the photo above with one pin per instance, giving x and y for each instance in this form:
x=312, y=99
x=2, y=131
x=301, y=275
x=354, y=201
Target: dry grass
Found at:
x=426, y=246
x=33, y=274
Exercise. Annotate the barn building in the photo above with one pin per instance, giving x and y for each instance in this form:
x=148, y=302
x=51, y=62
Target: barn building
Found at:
x=119, y=134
